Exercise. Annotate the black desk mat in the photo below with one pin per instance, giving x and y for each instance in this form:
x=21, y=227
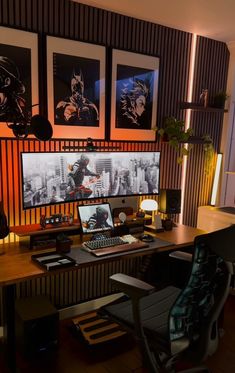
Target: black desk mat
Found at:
x=82, y=257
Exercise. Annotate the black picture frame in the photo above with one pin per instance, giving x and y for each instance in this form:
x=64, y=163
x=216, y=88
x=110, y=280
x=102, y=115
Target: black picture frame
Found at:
x=76, y=88
x=19, y=70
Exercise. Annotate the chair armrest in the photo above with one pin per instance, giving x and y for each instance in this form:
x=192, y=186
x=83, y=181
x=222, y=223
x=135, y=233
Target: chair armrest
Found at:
x=181, y=255
x=131, y=286
x=137, y=289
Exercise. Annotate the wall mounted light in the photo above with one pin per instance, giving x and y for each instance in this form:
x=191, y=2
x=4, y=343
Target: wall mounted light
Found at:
x=188, y=119
x=216, y=179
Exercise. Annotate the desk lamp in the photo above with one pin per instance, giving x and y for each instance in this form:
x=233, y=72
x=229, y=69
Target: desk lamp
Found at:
x=152, y=205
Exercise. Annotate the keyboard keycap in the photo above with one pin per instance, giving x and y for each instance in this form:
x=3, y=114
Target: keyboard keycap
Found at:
x=102, y=243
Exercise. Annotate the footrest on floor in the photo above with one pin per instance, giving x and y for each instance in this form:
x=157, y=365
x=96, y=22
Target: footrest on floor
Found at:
x=96, y=329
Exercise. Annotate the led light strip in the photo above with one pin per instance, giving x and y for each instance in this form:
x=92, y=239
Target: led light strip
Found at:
x=216, y=179
x=187, y=120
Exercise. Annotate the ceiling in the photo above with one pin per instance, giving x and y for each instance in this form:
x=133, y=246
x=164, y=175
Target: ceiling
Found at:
x=211, y=18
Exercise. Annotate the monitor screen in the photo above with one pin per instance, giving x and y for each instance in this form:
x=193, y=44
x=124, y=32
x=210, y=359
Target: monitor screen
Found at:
x=95, y=218
x=50, y=178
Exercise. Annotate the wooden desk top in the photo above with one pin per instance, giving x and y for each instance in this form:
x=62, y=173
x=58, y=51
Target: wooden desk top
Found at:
x=16, y=264
x=182, y=235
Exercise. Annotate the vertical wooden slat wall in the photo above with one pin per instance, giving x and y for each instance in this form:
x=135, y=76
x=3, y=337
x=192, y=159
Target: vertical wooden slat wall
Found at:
x=211, y=67
x=64, y=18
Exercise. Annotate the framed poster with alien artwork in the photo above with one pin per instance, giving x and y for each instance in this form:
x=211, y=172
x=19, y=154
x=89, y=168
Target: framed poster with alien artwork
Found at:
x=76, y=88
x=18, y=78
x=134, y=96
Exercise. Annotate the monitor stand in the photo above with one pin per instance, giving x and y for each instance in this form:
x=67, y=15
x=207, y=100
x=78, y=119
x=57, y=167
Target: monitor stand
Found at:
x=124, y=204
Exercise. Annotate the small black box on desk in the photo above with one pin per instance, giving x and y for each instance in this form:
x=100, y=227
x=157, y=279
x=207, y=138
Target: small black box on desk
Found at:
x=129, y=227
x=36, y=325
x=135, y=225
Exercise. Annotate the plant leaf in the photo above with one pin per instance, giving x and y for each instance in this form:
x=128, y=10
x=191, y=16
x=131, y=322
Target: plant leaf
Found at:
x=161, y=132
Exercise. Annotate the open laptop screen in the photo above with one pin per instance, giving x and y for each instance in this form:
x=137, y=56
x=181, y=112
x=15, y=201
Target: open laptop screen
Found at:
x=95, y=217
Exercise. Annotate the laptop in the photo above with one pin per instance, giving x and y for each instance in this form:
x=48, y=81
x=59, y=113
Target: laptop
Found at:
x=95, y=218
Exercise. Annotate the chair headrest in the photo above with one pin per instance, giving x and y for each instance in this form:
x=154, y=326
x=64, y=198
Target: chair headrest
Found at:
x=221, y=242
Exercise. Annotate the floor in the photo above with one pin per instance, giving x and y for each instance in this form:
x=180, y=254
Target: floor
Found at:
x=223, y=361
x=121, y=356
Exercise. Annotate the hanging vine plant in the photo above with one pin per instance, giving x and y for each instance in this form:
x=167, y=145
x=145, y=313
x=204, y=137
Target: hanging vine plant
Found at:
x=175, y=134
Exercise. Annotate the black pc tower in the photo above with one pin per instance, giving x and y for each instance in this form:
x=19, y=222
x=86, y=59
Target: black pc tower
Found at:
x=36, y=325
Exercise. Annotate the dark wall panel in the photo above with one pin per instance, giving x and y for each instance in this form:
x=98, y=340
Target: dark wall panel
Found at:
x=63, y=18
x=211, y=67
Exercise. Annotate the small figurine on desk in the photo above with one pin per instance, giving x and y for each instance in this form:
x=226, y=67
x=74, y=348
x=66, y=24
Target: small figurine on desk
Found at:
x=43, y=221
x=204, y=97
x=68, y=218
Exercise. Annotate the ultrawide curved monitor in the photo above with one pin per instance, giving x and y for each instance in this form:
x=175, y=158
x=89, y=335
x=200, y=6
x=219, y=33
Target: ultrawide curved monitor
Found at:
x=51, y=178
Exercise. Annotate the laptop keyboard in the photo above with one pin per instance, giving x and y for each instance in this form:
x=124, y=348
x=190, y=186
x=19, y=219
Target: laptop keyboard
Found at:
x=104, y=242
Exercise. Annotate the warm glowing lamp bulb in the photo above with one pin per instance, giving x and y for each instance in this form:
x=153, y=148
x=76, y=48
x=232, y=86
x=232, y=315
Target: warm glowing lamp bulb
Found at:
x=149, y=205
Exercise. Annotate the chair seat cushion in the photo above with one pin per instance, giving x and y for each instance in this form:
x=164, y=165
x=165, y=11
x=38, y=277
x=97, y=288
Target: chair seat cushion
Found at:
x=154, y=311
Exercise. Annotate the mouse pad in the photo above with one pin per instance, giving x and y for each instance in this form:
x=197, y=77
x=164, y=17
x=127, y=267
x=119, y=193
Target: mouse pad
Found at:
x=81, y=256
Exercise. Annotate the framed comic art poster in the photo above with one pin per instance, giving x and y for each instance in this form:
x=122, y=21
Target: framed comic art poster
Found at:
x=76, y=88
x=18, y=78
x=134, y=96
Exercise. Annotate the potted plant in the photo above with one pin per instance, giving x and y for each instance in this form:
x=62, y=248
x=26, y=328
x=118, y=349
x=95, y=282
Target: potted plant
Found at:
x=174, y=132
x=219, y=99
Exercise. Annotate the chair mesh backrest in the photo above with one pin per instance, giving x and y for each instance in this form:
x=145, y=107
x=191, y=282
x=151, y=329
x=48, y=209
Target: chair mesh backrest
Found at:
x=192, y=308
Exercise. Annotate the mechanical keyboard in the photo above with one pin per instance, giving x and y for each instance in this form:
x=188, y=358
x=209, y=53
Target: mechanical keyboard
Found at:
x=112, y=245
x=120, y=248
x=104, y=242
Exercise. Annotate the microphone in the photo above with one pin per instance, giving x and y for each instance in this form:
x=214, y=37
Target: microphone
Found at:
x=40, y=127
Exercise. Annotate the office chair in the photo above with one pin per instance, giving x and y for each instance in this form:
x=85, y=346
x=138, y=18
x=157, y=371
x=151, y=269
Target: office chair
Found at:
x=178, y=325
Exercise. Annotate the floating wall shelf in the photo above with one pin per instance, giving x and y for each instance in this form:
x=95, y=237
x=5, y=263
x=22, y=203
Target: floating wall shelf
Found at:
x=198, y=107
x=197, y=140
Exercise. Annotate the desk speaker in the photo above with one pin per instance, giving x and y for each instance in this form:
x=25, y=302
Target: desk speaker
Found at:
x=36, y=325
x=170, y=201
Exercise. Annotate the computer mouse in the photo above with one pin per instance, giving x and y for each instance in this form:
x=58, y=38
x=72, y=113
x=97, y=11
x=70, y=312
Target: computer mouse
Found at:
x=146, y=238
